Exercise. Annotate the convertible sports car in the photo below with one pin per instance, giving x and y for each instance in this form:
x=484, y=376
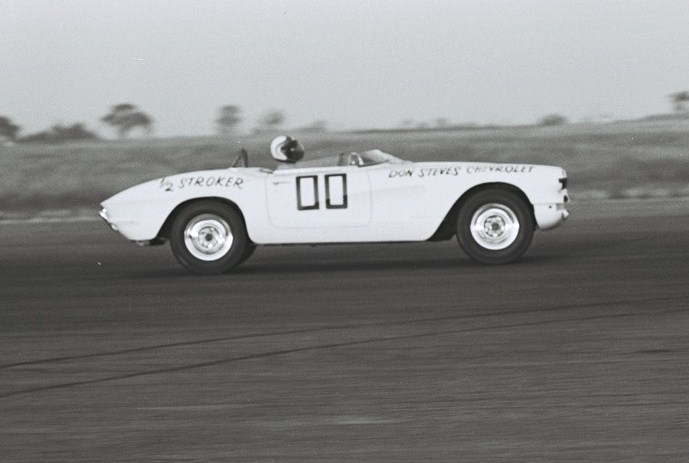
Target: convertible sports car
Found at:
x=214, y=219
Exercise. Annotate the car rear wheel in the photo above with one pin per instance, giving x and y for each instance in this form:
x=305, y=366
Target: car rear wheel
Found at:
x=495, y=226
x=209, y=237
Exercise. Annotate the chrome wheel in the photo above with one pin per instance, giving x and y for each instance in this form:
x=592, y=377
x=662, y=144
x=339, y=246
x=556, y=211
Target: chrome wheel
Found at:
x=494, y=226
x=208, y=237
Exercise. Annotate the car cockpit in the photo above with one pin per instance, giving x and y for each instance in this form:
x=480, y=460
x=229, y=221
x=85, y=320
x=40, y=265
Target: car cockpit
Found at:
x=289, y=153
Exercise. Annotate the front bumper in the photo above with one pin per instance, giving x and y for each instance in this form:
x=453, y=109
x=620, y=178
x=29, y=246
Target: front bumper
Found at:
x=550, y=215
x=103, y=213
x=152, y=242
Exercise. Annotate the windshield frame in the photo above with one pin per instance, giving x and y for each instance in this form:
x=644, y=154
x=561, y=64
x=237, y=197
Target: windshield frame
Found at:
x=376, y=157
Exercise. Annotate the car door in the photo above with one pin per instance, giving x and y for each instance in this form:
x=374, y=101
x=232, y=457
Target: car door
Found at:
x=328, y=199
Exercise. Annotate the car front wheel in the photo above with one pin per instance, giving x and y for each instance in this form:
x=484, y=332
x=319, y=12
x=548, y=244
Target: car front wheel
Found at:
x=209, y=237
x=495, y=226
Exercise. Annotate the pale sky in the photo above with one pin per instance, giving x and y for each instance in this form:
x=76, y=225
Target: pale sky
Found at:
x=353, y=63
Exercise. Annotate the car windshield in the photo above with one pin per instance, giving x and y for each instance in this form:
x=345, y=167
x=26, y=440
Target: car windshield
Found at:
x=372, y=157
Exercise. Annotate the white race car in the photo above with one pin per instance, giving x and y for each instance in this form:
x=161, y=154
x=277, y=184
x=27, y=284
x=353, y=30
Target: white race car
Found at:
x=214, y=219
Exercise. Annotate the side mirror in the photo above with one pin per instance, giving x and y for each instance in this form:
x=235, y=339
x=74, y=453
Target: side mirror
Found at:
x=241, y=160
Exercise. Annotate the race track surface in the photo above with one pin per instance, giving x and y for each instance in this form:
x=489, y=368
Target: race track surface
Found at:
x=396, y=353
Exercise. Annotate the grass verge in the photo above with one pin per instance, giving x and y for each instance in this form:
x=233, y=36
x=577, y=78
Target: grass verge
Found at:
x=620, y=160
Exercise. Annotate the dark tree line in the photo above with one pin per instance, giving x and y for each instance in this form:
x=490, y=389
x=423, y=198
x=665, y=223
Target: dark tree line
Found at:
x=123, y=118
x=56, y=134
x=60, y=134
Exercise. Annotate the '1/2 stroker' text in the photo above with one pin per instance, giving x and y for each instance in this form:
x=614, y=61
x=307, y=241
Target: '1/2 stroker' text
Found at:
x=201, y=182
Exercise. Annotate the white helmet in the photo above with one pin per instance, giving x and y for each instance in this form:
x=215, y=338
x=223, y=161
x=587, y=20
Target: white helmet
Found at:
x=286, y=149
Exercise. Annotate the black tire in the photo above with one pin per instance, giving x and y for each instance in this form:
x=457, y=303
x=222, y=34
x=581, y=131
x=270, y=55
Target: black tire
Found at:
x=495, y=226
x=248, y=251
x=209, y=237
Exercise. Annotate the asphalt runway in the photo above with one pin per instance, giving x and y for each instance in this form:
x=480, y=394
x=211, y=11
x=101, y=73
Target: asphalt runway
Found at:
x=395, y=353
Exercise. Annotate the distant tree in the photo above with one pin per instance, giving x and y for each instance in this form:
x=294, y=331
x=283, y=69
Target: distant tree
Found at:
x=552, y=119
x=228, y=119
x=319, y=126
x=124, y=117
x=441, y=122
x=678, y=101
x=271, y=121
x=8, y=130
x=60, y=134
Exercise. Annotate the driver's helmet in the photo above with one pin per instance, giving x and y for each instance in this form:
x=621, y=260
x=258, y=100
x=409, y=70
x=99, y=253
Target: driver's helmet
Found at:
x=286, y=149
